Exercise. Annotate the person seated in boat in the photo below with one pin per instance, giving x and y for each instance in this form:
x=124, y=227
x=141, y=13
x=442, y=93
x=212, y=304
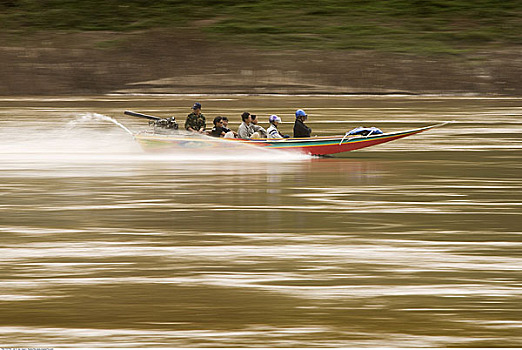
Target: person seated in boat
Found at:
x=225, y=124
x=257, y=128
x=245, y=131
x=196, y=121
x=272, y=131
x=218, y=130
x=229, y=134
x=300, y=128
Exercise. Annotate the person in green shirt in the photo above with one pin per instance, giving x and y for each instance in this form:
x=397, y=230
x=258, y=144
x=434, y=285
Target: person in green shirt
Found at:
x=196, y=121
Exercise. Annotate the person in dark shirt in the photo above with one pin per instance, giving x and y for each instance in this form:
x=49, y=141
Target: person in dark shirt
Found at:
x=229, y=134
x=225, y=124
x=300, y=129
x=218, y=130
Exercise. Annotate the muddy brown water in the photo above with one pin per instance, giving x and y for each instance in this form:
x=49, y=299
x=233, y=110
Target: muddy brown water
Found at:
x=411, y=243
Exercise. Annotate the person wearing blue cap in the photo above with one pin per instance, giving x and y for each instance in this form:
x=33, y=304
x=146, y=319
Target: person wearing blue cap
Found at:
x=196, y=121
x=300, y=129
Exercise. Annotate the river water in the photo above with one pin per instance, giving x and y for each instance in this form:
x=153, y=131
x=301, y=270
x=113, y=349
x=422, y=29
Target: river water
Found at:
x=413, y=243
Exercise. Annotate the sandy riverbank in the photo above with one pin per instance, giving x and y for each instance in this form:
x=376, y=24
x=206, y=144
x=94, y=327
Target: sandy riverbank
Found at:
x=185, y=62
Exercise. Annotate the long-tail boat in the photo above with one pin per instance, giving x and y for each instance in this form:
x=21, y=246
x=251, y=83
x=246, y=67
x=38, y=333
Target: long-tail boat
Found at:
x=318, y=146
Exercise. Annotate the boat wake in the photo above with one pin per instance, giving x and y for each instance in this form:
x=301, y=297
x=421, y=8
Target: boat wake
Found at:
x=96, y=139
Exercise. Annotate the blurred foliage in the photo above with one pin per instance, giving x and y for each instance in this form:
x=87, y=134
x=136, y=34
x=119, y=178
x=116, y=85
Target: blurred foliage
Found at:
x=419, y=26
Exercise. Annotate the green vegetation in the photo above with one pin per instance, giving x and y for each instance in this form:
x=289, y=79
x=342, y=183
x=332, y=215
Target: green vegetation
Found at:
x=416, y=26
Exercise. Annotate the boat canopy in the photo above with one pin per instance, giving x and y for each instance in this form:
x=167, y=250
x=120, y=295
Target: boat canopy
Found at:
x=365, y=131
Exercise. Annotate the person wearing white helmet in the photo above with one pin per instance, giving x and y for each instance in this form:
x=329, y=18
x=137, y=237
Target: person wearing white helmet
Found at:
x=272, y=131
x=300, y=129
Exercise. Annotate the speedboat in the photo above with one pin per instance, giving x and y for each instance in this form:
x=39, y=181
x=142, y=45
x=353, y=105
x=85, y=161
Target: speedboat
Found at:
x=317, y=146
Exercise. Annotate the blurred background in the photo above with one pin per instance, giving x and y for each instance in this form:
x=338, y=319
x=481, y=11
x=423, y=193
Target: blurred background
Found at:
x=260, y=46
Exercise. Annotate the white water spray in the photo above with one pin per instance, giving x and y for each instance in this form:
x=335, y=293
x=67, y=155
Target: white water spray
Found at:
x=90, y=138
x=88, y=117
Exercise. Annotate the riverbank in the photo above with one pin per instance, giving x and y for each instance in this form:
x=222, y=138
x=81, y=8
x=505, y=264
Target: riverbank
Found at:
x=185, y=61
x=273, y=46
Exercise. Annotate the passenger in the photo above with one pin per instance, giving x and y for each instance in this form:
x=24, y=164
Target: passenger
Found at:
x=273, y=133
x=196, y=121
x=300, y=129
x=218, y=130
x=257, y=128
x=229, y=134
x=225, y=124
x=245, y=131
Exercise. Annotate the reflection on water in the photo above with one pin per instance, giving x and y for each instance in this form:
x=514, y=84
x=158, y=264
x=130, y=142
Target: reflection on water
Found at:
x=412, y=243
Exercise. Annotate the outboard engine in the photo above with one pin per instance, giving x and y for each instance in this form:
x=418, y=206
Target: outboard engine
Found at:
x=167, y=123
